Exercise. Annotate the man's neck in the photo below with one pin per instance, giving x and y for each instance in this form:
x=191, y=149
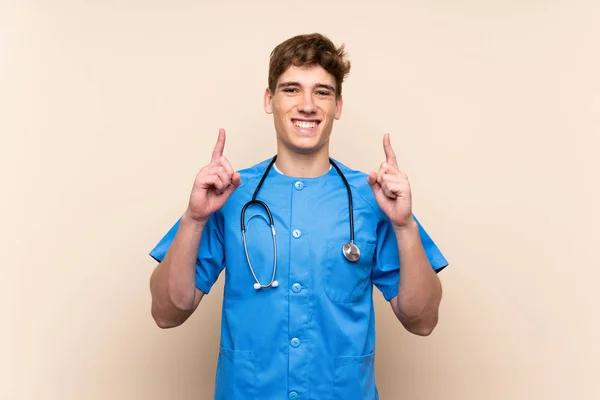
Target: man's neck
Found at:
x=310, y=165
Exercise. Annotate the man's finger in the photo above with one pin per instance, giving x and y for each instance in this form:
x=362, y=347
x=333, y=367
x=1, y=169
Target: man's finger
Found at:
x=390, y=156
x=389, y=189
x=212, y=180
x=227, y=165
x=218, y=151
x=222, y=174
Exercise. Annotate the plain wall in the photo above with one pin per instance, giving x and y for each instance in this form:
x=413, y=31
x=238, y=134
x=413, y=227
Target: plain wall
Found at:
x=109, y=108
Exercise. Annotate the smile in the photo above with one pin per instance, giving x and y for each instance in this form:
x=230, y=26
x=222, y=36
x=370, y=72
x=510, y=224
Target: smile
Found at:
x=305, y=124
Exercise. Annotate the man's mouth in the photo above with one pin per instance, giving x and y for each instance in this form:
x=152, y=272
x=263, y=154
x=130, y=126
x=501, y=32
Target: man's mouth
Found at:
x=305, y=124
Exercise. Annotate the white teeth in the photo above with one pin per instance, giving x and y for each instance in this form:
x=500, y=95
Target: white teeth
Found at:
x=305, y=125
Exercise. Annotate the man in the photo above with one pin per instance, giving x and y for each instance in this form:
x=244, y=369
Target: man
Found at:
x=298, y=317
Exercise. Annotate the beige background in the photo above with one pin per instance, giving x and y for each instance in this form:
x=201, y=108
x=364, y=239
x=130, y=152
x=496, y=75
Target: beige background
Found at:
x=109, y=108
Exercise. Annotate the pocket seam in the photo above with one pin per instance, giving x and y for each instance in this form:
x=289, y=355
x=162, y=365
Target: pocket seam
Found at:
x=342, y=362
x=345, y=360
x=238, y=354
x=232, y=357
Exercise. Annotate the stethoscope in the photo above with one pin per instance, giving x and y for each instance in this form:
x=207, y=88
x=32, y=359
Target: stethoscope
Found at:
x=349, y=249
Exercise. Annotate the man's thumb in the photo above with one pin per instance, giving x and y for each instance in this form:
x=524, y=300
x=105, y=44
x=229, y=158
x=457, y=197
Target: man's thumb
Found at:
x=236, y=180
x=372, y=179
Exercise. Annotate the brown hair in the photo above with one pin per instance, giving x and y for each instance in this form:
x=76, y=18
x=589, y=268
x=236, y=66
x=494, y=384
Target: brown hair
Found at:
x=308, y=50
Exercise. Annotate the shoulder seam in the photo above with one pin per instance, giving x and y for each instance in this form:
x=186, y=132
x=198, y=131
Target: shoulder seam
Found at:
x=364, y=175
x=251, y=175
x=377, y=210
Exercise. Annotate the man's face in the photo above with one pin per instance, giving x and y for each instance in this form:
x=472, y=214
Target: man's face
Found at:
x=304, y=105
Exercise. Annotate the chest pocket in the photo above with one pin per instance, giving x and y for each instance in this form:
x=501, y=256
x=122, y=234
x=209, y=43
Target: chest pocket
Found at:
x=345, y=281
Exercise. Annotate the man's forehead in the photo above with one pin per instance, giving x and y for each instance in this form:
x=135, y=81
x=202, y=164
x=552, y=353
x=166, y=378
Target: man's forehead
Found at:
x=307, y=75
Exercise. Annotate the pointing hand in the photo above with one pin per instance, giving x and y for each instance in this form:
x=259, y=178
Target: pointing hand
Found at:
x=213, y=185
x=392, y=188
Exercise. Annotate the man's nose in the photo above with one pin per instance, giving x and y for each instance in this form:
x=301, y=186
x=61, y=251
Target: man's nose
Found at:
x=307, y=104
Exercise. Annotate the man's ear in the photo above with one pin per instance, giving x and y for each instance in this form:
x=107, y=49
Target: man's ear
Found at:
x=338, y=107
x=268, y=101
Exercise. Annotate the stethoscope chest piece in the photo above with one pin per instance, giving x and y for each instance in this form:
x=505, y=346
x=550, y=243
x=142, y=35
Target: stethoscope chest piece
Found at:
x=351, y=252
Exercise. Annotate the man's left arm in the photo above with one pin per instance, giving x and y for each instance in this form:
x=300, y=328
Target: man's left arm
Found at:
x=419, y=290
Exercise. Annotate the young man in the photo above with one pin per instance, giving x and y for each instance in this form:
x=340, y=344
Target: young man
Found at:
x=297, y=317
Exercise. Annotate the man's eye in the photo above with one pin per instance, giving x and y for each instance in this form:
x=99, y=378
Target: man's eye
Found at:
x=323, y=93
x=290, y=90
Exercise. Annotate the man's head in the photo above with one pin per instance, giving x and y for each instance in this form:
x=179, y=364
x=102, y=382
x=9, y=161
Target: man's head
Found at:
x=304, y=91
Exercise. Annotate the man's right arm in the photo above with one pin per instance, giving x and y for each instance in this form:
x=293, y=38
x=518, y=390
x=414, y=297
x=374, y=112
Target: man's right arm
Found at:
x=172, y=284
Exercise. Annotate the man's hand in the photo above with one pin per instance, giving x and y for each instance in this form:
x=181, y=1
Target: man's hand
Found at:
x=392, y=189
x=213, y=184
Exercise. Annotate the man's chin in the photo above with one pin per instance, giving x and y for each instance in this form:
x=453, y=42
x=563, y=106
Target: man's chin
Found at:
x=304, y=147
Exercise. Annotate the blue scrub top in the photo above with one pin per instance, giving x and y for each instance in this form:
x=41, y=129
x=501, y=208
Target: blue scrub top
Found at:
x=312, y=337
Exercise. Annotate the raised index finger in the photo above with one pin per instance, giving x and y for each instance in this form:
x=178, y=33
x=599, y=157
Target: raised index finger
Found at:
x=218, y=151
x=390, y=156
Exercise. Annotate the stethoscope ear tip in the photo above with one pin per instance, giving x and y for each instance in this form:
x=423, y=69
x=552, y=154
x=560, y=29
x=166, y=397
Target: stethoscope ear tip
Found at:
x=258, y=286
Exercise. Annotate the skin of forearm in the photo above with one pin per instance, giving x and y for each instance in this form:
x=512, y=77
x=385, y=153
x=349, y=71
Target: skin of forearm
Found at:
x=419, y=289
x=172, y=282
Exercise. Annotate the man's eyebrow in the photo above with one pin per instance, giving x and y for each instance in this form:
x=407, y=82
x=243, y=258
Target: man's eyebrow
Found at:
x=296, y=84
x=288, y=84
x=326, y=86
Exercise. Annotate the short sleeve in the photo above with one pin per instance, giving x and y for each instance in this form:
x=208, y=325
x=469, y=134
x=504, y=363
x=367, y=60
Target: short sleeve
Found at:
x=386, y=271
x=211, y=254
